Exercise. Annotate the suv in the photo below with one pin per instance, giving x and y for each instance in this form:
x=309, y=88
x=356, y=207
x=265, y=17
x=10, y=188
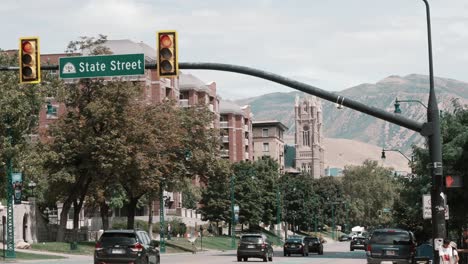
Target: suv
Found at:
x=314, y=245
x=254, y=246
x=295, y=245
x=393, y=245
x=126, y=246
x=358, y=242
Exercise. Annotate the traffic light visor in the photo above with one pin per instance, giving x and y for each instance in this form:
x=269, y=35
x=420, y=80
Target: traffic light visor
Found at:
x=29, y=60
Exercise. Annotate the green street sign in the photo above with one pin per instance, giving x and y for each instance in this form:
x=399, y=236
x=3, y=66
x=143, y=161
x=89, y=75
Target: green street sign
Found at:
x=101, y=66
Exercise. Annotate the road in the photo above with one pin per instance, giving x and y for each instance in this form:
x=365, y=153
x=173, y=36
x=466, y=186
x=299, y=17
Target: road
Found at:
x=334, y=253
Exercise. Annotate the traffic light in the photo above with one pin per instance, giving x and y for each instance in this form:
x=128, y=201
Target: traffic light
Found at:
x=168, y=64
x=29, y=60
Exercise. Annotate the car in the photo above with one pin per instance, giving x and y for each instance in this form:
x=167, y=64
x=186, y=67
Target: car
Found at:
x=295, y=245
x=344, y=237
x=254, y=246
x=358, y=242
x=126, y=246
x=314, y=244
x=392, y=245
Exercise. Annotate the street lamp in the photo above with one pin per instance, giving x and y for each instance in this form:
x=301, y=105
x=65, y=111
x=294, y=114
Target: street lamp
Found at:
x=31, y=186
x=411, y=161
x=397, y=104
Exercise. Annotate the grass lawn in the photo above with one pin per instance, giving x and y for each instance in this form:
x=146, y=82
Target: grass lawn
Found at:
x=21, y=255
x=84, y=248
x=209, y=242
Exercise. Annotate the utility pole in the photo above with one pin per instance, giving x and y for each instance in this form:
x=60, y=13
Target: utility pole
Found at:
x=10, y=251
x=162, y=241
x=233, y=238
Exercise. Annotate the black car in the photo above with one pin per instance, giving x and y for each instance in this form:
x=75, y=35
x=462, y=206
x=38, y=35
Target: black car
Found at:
x=254, y=246
x=126, y=246
x=358, y=242
x=295, y=245
x=344, y=237
x=391, y=245
x=314, y=244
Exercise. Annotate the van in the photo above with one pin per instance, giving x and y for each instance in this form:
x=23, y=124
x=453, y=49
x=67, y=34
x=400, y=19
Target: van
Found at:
x=391, y=244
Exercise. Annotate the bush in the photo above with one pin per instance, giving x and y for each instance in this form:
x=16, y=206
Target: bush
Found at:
x=139, y=224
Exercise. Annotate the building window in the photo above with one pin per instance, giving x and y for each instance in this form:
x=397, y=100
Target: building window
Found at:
x=265, y=132
x=306, y=138
x=266, y=147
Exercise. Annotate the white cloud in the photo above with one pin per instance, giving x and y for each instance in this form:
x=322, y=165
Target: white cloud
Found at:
x=331, y=44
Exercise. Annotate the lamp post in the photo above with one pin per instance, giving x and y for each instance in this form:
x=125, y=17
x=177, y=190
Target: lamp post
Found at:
x=162, y=241
x=431, y=129
x=278, y=212
x=31, y=186
x=233, y=238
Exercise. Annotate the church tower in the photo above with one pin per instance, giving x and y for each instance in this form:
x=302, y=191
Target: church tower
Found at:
x=308, y=136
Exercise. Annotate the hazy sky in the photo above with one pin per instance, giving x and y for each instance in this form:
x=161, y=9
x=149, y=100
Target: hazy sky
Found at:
x=331, y=44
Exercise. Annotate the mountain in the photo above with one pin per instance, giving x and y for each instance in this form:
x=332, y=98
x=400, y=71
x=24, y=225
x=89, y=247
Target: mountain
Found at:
x=350, y=124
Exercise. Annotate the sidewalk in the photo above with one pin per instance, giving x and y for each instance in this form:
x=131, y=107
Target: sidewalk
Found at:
x=39, y=252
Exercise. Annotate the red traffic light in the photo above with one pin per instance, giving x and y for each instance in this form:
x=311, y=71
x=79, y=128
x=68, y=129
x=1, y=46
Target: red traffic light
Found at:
x=453, y=181
x=167, y=54
x=29, y=60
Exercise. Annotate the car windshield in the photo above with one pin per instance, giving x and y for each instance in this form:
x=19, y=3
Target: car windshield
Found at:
x=391, y=238
x=120, y=238
x=252, y=239
x=313, y=239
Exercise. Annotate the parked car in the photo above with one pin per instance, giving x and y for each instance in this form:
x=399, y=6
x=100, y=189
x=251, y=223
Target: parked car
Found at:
x=126, y=246
x=314, y=244
x=295, y=245
x=344, y=237
x=358, y=242
x=393, y=245
x=254, y=246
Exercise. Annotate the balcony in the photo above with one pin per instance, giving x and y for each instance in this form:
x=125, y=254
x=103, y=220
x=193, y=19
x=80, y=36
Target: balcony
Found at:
x=183, y=102
x=211, y=107
x=246, y=141
x=246, y=128
x=225, y=139
x=224, y=153
x=246, y=154
x=223, y=124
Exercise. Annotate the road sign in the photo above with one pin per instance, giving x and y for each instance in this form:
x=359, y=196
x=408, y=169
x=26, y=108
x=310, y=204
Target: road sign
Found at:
x=427, y=208
x=101, y=66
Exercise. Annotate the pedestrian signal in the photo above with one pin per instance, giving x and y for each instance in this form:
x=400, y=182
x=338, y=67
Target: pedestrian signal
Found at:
x=168, y=65
x=29, y=60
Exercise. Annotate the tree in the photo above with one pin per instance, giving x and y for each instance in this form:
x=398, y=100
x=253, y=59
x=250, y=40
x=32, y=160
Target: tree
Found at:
x=215, y=201
x=268, y=178
x=361, y=184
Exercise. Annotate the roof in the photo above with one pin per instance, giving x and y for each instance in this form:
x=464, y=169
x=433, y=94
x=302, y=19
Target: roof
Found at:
x=190, y=82
x=228, y=107
x=264, y=123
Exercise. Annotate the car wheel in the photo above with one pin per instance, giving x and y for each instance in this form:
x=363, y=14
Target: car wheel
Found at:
x=270, y=258
x=245, y=259
x=351, y=249
x=320, y=252
x=265, y=259
x=285, y=254
x=289, y=254
x=239, y=259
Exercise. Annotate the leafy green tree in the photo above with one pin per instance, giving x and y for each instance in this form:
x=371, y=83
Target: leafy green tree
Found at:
x=216, y=201
x=268, y=177
x=361, y=185
x=247, y=193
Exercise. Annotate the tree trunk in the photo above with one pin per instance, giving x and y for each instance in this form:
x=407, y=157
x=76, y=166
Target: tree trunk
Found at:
x=150, y=217
x=63, y=220
x=131, y=213
x=104, y=210
x=230, y=229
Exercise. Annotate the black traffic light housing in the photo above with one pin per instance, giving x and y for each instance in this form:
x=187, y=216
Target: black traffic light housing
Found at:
x=168, y=64
x=29, y=60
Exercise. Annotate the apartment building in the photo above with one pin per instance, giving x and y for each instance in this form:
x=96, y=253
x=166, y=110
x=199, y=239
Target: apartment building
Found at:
x=268, y=141
x=236, y=131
